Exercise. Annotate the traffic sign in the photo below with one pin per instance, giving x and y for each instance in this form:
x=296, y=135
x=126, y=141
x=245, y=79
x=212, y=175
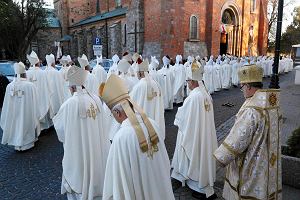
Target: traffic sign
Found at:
x=97, y=41
x=97, y=50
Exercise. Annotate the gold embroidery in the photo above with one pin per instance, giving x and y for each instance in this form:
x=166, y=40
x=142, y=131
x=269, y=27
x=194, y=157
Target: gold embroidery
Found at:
x=206, y=105
x=92, y=112
x=152, y=95
x=230, y=149
x=273, y=159
x=273, y=99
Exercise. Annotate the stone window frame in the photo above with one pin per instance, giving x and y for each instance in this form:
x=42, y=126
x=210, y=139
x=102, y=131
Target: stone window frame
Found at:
x=191, y=34
x=252, y=6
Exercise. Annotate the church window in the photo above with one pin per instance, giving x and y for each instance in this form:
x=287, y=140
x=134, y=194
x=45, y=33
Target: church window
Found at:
x=193, y=27
x=118, y=3
x=253, y=5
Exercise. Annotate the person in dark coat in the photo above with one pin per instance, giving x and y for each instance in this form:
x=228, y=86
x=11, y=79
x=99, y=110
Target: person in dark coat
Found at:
x=3, y=84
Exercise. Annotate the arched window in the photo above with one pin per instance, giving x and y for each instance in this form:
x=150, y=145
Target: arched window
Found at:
x=193, y=27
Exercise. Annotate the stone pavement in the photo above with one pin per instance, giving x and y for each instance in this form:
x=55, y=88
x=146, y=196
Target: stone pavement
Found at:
x=36, y=174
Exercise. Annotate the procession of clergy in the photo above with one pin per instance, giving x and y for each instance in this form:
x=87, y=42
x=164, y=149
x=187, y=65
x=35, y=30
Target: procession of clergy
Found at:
x=112, y=125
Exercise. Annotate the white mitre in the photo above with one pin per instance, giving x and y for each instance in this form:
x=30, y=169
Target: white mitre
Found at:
x=115, y=58
x=195, y=72
x=135, y=57
x=166, y=60
x=64, y=60
x=123, y=66
x=19, y=68
x=127, y=56
x=154, y=62
x=178, y=59
x=143, y=66
x=33, y=58
x=50, y=59
x=76, y=76
x=83, y=61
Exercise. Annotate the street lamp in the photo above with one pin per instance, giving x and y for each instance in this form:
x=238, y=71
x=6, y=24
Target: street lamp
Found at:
x=275, y=79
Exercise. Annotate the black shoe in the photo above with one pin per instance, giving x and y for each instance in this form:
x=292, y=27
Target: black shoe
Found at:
x=202, y=196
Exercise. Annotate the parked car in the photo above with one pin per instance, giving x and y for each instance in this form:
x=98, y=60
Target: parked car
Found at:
x=7, y=69
x=106, y=63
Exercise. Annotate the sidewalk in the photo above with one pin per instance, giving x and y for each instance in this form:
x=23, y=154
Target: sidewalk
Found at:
x=290, y=107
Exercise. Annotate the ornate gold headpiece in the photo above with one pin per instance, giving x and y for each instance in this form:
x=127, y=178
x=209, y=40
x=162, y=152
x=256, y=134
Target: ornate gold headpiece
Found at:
x=250, y=74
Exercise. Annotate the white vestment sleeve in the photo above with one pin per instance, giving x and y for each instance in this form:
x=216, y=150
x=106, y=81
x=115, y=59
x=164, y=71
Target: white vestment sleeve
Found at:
x=59, y=124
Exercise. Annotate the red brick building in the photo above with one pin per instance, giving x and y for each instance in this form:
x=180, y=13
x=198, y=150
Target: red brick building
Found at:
x=187, y=27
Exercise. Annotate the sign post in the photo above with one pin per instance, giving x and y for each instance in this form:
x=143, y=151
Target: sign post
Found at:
x=97, y=47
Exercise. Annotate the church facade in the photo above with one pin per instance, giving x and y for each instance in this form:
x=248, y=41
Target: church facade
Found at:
x=164, y=27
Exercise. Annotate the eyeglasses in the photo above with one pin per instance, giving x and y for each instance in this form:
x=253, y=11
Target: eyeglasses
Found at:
x=241, y=87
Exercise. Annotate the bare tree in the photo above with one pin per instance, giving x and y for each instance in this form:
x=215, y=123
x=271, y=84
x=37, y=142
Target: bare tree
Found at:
x=272, y=16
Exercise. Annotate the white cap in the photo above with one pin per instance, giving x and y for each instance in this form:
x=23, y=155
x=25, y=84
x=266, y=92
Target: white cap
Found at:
x=33, y=58
x=83, y=61
x=123, y=66
x=195, y=72
x=178, y=59
x=19, y=68
x=50, y=59
x=166, y=60
x=127, y=57
x=115, y=58
x=76, y=76
x=143, y=66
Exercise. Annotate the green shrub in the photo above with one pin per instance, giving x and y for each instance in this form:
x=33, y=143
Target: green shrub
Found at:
x=294, y=143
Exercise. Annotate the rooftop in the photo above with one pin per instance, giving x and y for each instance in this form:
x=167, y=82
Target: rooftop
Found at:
x=99, y=17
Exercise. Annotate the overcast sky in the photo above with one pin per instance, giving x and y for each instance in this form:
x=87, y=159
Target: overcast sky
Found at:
x=288, y=11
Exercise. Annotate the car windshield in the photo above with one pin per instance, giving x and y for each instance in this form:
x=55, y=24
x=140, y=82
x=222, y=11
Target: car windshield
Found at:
x=7, y=69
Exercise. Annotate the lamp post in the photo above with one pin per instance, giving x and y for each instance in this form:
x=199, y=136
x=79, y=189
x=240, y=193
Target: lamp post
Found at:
x=275, y=79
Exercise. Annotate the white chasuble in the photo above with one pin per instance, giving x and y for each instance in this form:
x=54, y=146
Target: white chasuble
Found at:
x=193, y=161
x=20, y=117
x=133, y=175
x=39, y=78
x=147, y=94
x=80, y=126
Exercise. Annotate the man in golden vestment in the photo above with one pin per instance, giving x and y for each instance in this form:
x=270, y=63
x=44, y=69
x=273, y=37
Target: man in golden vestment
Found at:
x=252, y=152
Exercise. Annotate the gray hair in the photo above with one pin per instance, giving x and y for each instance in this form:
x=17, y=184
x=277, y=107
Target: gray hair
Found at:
x=117, y=108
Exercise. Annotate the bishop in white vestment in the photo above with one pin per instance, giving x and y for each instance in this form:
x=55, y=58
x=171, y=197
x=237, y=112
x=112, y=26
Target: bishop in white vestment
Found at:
x=56, y=85
x=20, y=121
x=91, y=83
x=180, y=78
x=39, y=78
x=138, y=165
x=167, y=83
x=252, y=150
x=80, y=126
x=193, y=162
x=114, y=68
x=147, y=94
x=99, y=71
